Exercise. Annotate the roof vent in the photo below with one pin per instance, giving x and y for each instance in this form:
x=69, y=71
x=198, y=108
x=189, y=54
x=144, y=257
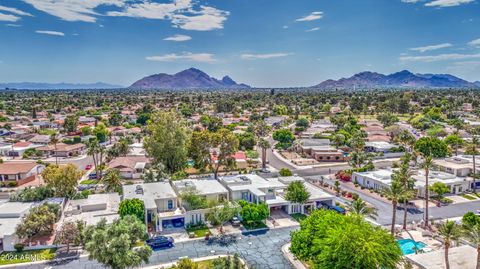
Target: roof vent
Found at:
x=138, y=189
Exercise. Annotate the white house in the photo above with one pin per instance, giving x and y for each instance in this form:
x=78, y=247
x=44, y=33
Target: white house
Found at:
x=93, y=208
x=11, y=214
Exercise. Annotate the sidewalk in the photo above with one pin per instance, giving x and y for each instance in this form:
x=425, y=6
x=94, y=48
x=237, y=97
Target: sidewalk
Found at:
x=287, y=254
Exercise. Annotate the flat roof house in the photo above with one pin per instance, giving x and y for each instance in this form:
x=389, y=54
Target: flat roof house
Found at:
x=11, y=214
x=377, y=180
x=460, y=166
x=456, y=184
x=20, y=172
x=320, y=150
x=93, y=208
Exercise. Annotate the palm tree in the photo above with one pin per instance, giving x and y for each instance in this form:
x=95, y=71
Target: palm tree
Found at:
x=473, y=150
x=472, y=234
x=426, y=165
x=449, y=231
x=395, y=192
x=112, y=181
x=264, y=145
x=361, y=208
x=54, y=142
x=96, y=151
x=404, y=175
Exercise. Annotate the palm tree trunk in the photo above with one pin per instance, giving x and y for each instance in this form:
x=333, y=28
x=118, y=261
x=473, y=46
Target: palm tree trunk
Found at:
x=447, y=262
x=56, y=154
x=264, y=158
x=394, y=216
x=426, y=198
x=405, y=215
x=478, y=256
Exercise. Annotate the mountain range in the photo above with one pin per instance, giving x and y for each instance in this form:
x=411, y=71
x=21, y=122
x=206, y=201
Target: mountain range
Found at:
x=57, y=86
x=400, y=79
x=187, y=79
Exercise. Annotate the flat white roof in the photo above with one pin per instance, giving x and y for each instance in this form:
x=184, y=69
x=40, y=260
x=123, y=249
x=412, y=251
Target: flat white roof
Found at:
x=149, y=192
x=462, y=257
x=202, y=186
x=251, y=181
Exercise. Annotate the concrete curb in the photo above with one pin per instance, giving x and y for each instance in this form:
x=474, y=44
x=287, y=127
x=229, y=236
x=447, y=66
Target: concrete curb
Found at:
x=289, y=256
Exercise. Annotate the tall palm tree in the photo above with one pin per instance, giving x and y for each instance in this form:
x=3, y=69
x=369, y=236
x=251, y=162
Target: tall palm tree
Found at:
x=426, y=165
x=361, y=208
x=54, y=142
x=112, y=181
x=395, y=192
x=96, y=151
x=450, y=232
x=404, y=175
x=473, y=149
x=264, y=145
x=472, y=234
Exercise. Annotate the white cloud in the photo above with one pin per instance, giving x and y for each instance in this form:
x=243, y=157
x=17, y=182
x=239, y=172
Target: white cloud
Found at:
x=313, y=29
x=285, y=27
x=440, y=57
x=186, y=56
x=263, y=56
x=312, y=16
x=14, y=11
x=475, y=43
x=432, y=47
x=12, y=25
x=9, y=17
x=411, y=1
x=45, y=32
x=185, y=14
x=178, y=38
x=447, y=3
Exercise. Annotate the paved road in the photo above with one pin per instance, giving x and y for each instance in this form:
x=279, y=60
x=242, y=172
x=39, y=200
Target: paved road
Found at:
x=263, y=251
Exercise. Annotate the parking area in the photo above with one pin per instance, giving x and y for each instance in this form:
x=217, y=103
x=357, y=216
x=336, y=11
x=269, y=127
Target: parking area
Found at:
x=279, y=218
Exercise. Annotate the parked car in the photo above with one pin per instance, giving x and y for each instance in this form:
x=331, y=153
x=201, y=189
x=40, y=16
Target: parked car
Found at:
x=92, y=176
x=88, y=167
x=235, y=221
x=160, y=242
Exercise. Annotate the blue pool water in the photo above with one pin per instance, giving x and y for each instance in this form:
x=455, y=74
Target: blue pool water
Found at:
x=407, y=246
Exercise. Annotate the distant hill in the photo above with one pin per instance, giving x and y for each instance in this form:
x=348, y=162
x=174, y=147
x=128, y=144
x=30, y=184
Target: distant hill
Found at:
x=477, y=83
x=403, y=78
x=56, y=86
x=187, y=79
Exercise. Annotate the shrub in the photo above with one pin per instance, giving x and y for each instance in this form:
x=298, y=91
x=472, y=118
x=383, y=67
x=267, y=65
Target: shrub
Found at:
x=12, y=184
x=285, y=172
x=19, y=247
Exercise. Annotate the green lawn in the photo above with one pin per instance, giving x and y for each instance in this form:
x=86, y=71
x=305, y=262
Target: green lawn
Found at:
x=254, y=226
x=469, y=197
x=199, y=231
x=14, y=257
x=89, y=182
x=298, y=216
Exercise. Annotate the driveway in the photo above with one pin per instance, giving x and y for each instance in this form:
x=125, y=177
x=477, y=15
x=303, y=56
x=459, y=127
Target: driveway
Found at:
x=278, y=218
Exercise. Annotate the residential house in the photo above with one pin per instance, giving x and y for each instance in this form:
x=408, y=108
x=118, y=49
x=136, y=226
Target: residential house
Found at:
x=20, y=172
x=41, y=139
x=11, y=214
x=63, y=150
x=93, y=208
x=320, y=150
x=20, y=147
x=130, y=167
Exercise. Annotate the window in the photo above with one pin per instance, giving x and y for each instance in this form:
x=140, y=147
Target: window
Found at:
x=170, y=204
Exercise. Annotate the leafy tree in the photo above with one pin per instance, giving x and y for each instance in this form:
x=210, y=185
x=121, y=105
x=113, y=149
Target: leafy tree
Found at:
x=167, y=141
x=252, y=214
x=339, y=140
x=67, y=234
x=431, y=146
x=101, y=132
x=219, y=215
x=70, y=123
x=450, y=232
x=297, y=193
x=285, y=172
x=212, y=124
x=331, y=240
x=193, y=200
x=115, y=245
x=302, y=122
x=112, y=181
x=185, y=263
x=133, y=207
x=32, y=194
x=62, y=179
x=387, y=119
x=246, y=141
x=38, y=221
x=284, y=136
x=440, y=189
x=86, y=130
x=470, y=219
x=115, y=119
x=471, y=233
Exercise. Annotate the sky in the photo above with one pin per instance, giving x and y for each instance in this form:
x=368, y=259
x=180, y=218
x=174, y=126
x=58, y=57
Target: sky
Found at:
x=264, y=43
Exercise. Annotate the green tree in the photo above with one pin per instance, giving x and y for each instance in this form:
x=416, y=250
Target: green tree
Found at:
x=112, y=181
x=404, y=175
x=193, y=200
x=471, y=233
x=219, y=215
x=426, y=165
x=285, y=172
x=185, y=263
x=167, y=141
x=62, y=179
x=396, y=192
x=387, y=119
x=431, y=146
x=331, y=240
x=115, y=245
x=285, y=137
x=70, y=123
x=439, y=188
x=361, y=208
x=133, y=207
x=97, y=151
x=38, y=221
x=264, y=145
x=297, y=193
x=473, y=149
x=253, y=214
x=68, y=234
x=101, y=132
x=339, y=140
x=54, y=141
x=450, y=232
x=454, y=141
x=302, y=122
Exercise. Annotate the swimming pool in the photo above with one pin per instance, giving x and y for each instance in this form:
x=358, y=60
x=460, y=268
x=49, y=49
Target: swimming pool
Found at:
x=407, y=246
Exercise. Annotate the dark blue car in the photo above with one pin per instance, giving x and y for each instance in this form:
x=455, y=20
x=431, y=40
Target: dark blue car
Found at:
x=160, y=242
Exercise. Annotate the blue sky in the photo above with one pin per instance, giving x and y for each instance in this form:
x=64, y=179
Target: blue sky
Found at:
x=277, y=43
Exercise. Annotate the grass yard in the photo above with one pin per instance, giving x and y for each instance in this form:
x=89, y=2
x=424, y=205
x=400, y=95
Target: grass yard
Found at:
x=469, y=197
x=298, y=216
x=199, y=231
x=14, y=257
x=89, y=182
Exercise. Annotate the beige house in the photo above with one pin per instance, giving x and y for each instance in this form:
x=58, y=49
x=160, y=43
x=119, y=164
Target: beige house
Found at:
x=19, y=171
